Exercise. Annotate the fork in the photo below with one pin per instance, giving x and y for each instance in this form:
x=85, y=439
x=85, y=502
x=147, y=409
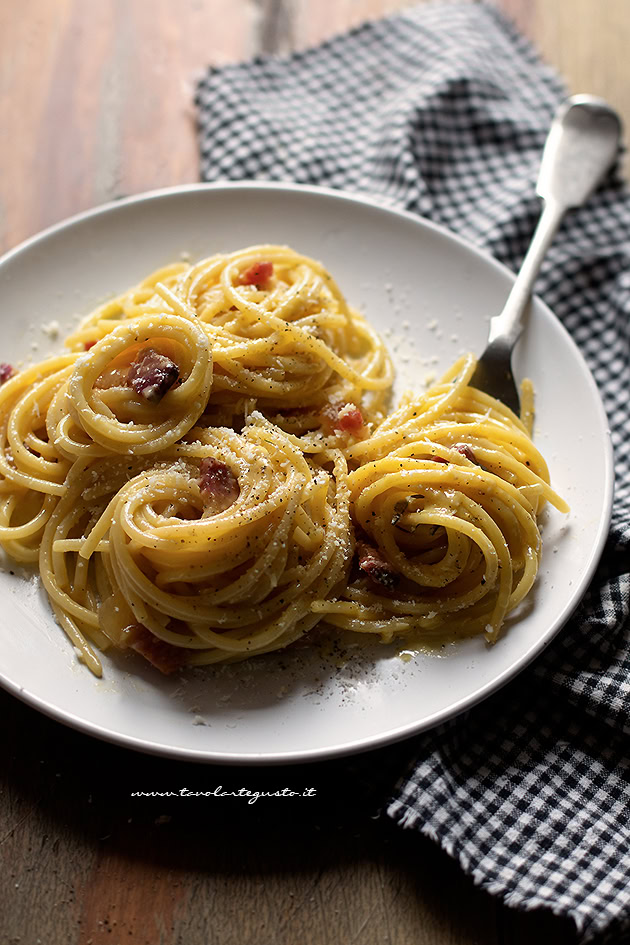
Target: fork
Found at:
x=582, y=144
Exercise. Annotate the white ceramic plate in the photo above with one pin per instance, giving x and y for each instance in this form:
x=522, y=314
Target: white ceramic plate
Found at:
x=431, y=295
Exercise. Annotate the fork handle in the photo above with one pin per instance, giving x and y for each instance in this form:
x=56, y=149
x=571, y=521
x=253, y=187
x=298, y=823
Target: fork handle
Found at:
x=509, y=324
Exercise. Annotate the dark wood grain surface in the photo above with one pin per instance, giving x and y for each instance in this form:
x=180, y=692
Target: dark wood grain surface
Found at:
x=95, y=102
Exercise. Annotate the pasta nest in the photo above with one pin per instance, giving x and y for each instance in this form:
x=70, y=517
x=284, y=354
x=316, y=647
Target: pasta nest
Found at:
x=218, y=584
x=448, y=489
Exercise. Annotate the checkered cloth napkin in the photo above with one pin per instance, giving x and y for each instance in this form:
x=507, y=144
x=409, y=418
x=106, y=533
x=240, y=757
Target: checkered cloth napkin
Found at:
x=443, y=110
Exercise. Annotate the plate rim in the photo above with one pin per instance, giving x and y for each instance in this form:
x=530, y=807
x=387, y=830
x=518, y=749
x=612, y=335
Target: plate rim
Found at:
x=402, y=732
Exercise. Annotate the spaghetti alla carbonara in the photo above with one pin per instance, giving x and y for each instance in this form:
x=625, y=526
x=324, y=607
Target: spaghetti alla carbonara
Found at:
x=211, y=470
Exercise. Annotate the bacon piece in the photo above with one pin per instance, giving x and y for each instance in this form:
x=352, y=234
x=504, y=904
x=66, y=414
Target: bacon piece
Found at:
x=218, y=485
x=350, y=419
x=377, y=568
x=6, y=371
x=89, y=344
x=462, y=448
x=346, y=418
x=164, y=656
x=152, y=374
x=466, y=451
x=257, y=274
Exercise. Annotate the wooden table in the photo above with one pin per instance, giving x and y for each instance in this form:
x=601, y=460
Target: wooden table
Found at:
x=95, y=103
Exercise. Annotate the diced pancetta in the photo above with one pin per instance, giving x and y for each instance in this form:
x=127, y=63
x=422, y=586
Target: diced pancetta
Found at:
x=258, y=273
x=152, y=375
x=218, y=485
x=466, y=451
x=344, y=418
x=375, y=566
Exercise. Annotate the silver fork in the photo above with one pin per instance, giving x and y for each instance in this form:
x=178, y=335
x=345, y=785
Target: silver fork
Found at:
x=581, y=146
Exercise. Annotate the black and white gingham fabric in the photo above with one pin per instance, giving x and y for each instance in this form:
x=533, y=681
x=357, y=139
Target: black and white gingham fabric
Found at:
x=443, y=110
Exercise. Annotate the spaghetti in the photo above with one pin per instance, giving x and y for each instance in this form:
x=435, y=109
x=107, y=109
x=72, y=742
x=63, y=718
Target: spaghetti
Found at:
x=211, y=471
x=447, y=492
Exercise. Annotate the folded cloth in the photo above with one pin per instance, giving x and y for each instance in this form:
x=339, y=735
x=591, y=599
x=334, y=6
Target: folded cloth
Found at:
x=443, y=110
